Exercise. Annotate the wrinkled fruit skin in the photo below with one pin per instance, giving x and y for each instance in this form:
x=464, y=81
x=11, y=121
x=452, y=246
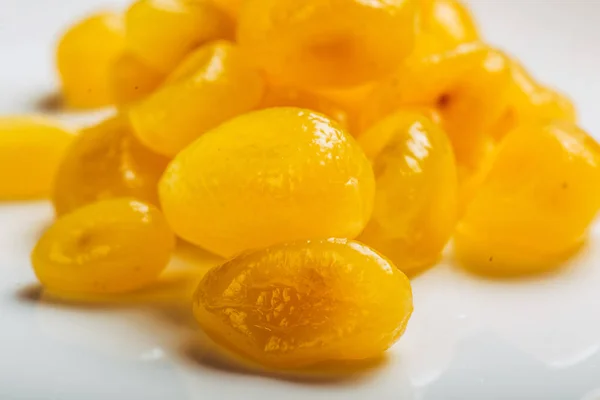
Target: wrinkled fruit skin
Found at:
x=305, y=303
x=85, y=55
x=273, y=175
x=113, y=246
x=30, y=151
x=106, y=161
x=132, y=80
x=327, y=43
x=417, y=190
x=536, y=204
x=212, y=85
x=163, y=32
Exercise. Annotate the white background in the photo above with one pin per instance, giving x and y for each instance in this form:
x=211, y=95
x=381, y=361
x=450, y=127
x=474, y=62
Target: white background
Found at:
x=468, y=339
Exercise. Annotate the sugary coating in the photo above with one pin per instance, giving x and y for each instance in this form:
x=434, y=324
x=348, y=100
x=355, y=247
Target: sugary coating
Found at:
x=30, y=151
x=163, y=32
x=132, y=80
x=303, y=303
x=444, y=24
x=112, y=246
x=529, y=101
x=212, y=85
x=537, y=202
x=327, y=43
x=84, y=57
x=468, y=86
x=416, y=190
x=274, y=175
x=106, y=161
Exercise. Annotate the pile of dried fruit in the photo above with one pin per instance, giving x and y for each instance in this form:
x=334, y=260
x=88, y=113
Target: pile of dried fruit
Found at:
x=274, y=133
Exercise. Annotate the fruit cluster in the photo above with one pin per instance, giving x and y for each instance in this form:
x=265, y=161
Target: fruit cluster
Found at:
x=276, y=132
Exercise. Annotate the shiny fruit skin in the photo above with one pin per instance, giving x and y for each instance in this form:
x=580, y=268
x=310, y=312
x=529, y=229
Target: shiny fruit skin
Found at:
x=106, y=161
x=266, y=177
x=327, y=43
x=443, y=25
x=307, y=302
x=84, y=57
x=30, y=151
x=132, y=80
x=112, y=246
x=163, y=32
x=416, y=197
x=536, y=204
x=212, y=85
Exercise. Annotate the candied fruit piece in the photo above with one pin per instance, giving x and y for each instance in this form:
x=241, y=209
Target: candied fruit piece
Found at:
x=132, y=80
x=30, y=151
x=106, y=161
x=444, y=24
x=84, y=58
x=327, y=43
x=468, y=87
x=212, y=85
x=112, y=246
x=231, y=7
x=528, y=101
x=536, y=203
x=163, y=32
x=416, y=190
x=303, y=303
x=269, y=176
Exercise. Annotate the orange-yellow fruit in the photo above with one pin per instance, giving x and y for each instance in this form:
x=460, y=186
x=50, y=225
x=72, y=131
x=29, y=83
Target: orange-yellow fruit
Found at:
x=468, y=87
x=30, y=151
x=231, y=7
x=303, y=303
x=84, y=57
x=111, y=246
x=537, y=202
x=212, y=85
x=163, y=32
x=444, y=24
x=530, y=102
x=132, y=80
x=270, y=176
x=327, y=43
x=106, y=161
x=416, y=197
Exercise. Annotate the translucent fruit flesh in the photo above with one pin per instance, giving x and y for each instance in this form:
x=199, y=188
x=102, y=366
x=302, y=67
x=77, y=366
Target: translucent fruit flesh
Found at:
x=416, y=197
x=30, y=151
x=132, y=80
x=327, y=43
x=162, y=32
x=536, y=203
x=106, y=161
x=273, y=175
x=304, y=303
x=84, y=58
x=112, y=246
x=212, y=85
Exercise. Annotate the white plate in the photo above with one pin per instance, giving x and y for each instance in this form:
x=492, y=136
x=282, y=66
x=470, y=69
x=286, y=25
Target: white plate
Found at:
x=469, y=339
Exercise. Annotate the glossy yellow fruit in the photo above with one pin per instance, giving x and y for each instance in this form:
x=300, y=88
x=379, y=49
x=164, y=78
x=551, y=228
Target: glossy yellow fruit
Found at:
x=163, y=32
x=416, y=198
x=303, y=303
x=111, y=246
x=444, y=24
x=231, y=7
x=84, y=58
x=132, y=80
x=530, y=102
x=30, y=151
x=212, y=85
x=270, y=176
x=536, y=203
x=104, y=162
x=327, y=43
x=468, y=86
